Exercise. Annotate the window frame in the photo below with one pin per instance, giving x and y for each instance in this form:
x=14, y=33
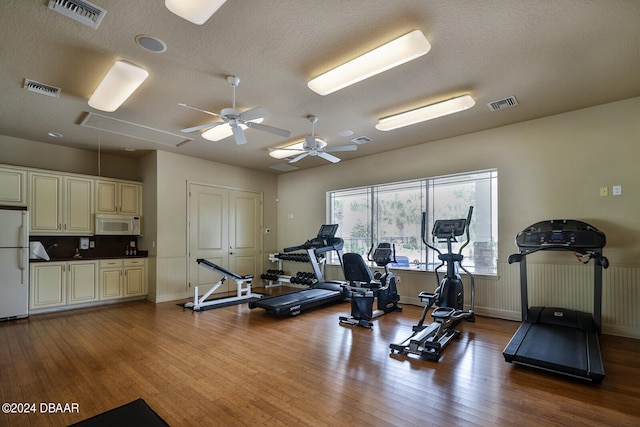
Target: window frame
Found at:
x=485, y=184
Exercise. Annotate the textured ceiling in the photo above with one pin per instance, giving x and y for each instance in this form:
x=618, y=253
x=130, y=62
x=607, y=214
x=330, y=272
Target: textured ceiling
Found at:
x=553, y=56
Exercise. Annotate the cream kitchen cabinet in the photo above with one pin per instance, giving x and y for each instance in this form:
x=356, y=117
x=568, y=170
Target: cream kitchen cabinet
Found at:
x=111, y=279
x=123, y=278
x=55, y=284
x=118, y=197
x=60, y=204
x=82, y=282
x=13, y=186
x=135, y=277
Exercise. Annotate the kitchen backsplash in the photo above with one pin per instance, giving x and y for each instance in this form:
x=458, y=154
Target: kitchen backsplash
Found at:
x=64, y=247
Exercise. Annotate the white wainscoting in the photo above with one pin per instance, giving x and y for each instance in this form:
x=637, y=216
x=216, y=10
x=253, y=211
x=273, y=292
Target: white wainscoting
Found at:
x=558, y=285
x=171, y=279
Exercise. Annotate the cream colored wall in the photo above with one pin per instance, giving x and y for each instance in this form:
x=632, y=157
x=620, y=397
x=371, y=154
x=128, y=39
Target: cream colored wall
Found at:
x=173, y=173
x=548, y=168
x=22, y=152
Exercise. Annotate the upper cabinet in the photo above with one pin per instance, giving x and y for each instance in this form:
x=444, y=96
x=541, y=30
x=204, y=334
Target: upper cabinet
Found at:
x=66, y=203
x=60, y=204
x=13, y=186
x=118, y=197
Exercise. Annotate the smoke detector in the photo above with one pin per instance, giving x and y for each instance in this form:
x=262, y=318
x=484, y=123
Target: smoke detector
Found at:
x=82, y=11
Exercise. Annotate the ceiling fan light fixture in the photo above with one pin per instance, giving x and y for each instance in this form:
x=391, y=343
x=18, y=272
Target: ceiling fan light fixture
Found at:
x=428, y=112
x=294, y=149
x=222, y=131
x=117, y=85
x=396, y=52
x=196, y=11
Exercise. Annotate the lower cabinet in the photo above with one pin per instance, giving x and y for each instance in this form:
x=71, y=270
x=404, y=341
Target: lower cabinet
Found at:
x=59, y=284
x=56, y=284
x=123, y=278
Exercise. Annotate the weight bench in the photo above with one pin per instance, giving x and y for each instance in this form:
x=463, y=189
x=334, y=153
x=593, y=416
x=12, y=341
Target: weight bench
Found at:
x=243, y=285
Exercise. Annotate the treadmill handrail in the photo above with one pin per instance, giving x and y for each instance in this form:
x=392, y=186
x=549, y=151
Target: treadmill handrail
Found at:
x=600, y=259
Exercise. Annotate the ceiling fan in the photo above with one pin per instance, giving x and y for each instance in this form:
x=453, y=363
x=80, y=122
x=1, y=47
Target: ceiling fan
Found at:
x=235, y=119
x=314, y=147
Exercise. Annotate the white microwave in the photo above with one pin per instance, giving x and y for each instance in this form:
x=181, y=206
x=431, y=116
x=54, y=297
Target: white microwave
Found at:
x=118, y=225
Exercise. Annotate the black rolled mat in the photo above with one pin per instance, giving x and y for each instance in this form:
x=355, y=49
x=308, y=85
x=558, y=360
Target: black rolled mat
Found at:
x=136, y=413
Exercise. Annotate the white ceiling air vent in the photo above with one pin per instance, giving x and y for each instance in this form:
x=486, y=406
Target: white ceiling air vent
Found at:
x=361, y=140
x=82, y=11
x=501, y=104
x=42, y=88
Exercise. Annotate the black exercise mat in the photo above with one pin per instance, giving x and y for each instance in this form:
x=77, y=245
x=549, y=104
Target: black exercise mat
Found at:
x=225, y=304
x=136, y=413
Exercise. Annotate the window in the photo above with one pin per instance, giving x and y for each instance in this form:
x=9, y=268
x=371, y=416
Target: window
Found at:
x=393, y=213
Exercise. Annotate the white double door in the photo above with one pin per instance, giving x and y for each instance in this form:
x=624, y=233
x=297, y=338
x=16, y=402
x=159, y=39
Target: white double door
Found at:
x=225, y=227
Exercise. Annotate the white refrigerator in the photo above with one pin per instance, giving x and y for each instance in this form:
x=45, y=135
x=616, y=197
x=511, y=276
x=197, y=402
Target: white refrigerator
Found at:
x=14, y=264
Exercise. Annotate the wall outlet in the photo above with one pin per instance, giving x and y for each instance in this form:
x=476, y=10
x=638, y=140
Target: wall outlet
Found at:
x=617, y=190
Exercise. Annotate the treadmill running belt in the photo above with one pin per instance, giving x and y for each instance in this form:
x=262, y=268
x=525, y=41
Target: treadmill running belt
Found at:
x=554, y=347
x=294, y=302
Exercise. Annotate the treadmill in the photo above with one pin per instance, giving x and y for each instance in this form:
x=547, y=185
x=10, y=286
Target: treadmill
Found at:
x=322, y=292
x=551, y=338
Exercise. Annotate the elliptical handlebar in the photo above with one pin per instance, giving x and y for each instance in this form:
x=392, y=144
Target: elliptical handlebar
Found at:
x=467, y=226
x=424, y=233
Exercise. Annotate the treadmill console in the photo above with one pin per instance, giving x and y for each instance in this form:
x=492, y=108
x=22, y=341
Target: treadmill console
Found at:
x=561, y=232
x=323, y=242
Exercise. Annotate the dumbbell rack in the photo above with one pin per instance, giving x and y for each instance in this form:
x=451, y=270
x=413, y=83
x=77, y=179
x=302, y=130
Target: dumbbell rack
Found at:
x=289, y=257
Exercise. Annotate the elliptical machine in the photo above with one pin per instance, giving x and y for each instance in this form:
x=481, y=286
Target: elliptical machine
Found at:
x=428, y=341
x=363, y=287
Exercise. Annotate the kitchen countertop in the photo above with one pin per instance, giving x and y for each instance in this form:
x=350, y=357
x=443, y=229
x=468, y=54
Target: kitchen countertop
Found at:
x=90, y=258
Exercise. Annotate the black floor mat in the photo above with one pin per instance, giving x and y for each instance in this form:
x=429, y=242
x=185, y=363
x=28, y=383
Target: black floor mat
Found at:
x=136, y=413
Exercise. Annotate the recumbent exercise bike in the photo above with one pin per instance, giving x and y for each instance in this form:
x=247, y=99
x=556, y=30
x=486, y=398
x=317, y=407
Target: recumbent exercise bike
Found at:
x=428, y=341
x=363, y=287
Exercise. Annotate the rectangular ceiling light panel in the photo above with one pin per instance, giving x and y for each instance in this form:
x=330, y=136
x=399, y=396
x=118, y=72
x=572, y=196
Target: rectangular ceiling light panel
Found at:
x=82, y=11
x=425, y=113
x=132, y=130
x=196, y=11
x=383, y=58
x=117, y=85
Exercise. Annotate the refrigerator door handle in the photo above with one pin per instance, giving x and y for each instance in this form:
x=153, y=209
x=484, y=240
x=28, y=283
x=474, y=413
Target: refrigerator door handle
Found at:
x=23, y=268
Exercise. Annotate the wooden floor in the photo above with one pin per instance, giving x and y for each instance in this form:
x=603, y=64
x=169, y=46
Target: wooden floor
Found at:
x=235, y=366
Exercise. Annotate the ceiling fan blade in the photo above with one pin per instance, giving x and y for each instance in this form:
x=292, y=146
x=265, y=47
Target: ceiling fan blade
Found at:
x=340, y=148
x=254, y=113
x=238, y=134
x=198, y=109
x=207, y=125
x=270, y=129
x=327, y=156
x=300, y=157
